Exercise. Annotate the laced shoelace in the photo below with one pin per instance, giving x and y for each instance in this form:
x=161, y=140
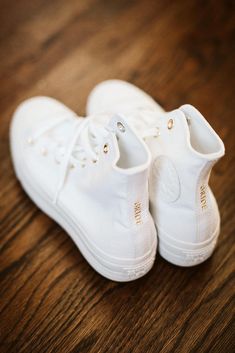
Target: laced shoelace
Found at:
x=145, y=122
x=85, y=148
x=139, y=118
x=82, y=143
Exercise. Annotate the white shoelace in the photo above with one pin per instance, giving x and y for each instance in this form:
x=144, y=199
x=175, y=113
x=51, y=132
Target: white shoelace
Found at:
x=145, y=121
x=88, y=136
x=85, y=140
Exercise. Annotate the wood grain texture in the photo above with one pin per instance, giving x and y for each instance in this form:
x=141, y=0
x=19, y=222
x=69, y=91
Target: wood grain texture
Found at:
x=50, y=299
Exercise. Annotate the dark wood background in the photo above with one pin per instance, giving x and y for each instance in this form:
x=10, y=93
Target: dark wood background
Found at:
x=179, y=52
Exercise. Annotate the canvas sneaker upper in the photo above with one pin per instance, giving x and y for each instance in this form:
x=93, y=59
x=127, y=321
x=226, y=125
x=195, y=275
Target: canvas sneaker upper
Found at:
x=92, y=179
x=184, y=148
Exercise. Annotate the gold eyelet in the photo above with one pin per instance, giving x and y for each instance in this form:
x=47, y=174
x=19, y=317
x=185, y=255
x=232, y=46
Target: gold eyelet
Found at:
x=94, y=160
x=120, y=126
x=170, y=124
x=106, y=148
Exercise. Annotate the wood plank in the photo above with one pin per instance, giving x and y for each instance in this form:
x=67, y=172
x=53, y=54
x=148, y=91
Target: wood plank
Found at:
x=50, y=298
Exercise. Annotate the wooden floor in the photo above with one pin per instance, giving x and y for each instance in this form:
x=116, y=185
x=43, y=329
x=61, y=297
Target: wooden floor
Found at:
x=51, y=300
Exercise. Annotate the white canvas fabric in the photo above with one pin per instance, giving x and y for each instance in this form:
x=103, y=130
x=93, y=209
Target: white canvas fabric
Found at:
x=184, y=148
x=91, y=179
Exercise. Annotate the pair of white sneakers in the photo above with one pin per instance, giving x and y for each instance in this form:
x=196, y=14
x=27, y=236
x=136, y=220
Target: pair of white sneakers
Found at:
x=98, y=176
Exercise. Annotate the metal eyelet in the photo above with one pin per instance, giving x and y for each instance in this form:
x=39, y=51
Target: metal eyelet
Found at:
x=170, y=124
x=106, y=148
x=121, y=127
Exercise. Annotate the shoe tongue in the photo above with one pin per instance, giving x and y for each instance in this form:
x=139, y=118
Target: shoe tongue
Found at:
x=89, y=140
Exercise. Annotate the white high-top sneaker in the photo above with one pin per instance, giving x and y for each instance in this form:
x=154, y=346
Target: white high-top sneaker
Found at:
x=184, y=149
x=92, y=180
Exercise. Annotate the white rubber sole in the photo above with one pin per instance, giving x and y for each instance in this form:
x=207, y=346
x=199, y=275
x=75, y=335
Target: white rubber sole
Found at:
x=186, y=254
x=116, y=269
